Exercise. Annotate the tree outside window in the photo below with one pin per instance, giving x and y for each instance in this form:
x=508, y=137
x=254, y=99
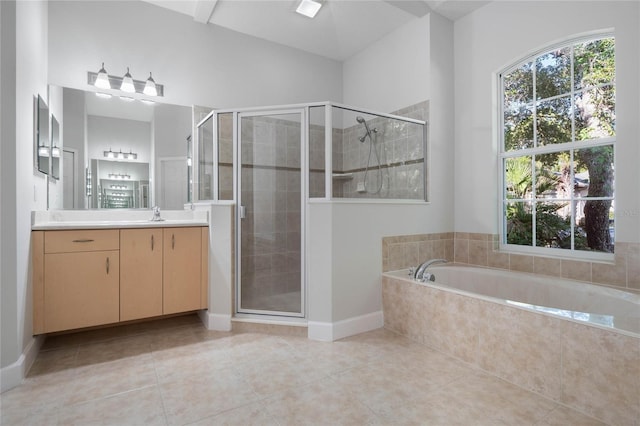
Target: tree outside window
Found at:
x=558, y=120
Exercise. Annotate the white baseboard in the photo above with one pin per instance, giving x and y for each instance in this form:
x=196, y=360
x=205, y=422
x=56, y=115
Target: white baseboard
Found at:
x=218, y=322
x=13, y=375
x=328, y=332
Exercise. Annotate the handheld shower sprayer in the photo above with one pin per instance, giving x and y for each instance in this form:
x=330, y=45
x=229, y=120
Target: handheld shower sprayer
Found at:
x=363, y=138
x=361, y=120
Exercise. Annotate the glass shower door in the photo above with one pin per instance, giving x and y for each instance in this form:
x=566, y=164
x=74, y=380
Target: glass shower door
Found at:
x=270, y=268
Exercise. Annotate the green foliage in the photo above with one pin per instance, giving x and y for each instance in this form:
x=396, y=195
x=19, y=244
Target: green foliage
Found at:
x=585, y=103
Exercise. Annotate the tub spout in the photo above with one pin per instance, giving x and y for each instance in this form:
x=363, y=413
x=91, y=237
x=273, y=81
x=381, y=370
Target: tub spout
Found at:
x=421, y=273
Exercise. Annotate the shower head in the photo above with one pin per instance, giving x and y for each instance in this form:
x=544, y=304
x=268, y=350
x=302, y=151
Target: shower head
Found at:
x=360, y=120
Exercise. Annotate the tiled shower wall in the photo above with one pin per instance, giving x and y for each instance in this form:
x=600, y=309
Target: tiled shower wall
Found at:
x=401, y=152
x=400, y=252
x=272, y=198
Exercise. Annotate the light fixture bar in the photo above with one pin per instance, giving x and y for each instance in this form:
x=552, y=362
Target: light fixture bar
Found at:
x=116, y=82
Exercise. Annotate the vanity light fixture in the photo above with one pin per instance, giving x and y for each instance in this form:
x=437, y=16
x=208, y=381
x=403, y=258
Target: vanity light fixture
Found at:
x=126, y=83
x=103, y=95
x=55, y=151
x=118, y=186
x=102, y=79
x=121, y=155
x=308, y=8
x=150, y=87
x=43, y=151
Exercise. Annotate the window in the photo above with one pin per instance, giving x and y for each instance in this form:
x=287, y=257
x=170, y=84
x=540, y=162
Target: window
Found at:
x=557, y=151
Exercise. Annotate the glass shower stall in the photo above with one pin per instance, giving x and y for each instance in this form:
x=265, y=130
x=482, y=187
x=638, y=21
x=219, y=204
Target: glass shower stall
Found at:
x=270, y=162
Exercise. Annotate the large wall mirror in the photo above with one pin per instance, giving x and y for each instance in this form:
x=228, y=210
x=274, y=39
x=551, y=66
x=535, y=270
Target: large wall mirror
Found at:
x=122, y=153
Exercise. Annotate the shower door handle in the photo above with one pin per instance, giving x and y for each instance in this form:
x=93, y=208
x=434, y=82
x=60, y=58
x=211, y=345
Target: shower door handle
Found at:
x=243, y=212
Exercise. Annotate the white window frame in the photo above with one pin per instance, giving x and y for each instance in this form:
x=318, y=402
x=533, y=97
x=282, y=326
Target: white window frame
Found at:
x=571, y=253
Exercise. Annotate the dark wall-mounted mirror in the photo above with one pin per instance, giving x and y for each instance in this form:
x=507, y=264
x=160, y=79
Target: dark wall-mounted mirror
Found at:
x=42, y=144
x=56, y=150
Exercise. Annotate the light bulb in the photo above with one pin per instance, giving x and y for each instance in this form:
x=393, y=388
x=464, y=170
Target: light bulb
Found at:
x=127, y=83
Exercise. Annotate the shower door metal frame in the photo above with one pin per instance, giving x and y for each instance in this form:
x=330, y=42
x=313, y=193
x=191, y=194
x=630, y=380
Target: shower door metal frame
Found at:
x=302, y=111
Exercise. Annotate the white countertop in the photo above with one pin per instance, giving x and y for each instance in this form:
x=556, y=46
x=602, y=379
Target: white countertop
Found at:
x=113, y=219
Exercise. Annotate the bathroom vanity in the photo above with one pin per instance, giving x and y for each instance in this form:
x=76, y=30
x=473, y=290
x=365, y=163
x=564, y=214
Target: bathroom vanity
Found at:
x=91, y=273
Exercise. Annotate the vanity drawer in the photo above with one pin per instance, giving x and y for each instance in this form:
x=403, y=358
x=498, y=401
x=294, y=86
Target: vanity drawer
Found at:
x=79, y=240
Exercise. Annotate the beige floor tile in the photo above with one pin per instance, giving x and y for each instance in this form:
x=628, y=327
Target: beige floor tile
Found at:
x=113, y=350
x=383, y=387
x=319, y=403
x=249, y=415
x=177, y=372
x=562, y=416
x=110, y=378
x=195, y=398
x=139, y=407
x=54, y=361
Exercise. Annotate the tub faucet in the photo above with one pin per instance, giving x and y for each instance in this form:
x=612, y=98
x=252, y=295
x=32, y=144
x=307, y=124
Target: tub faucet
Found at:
x=156, y=214
x=421, y=273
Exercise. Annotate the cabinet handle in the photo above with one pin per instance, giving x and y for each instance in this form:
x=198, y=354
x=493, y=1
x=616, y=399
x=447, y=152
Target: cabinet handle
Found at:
x=107, y=266
x=87, y=240
x=173, y=241
x=152, y=243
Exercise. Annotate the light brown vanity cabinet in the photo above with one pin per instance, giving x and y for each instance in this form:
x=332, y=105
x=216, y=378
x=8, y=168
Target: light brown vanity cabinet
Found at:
x=79, y=285
x=182, y=275
x=84, y=278
x=140, y=273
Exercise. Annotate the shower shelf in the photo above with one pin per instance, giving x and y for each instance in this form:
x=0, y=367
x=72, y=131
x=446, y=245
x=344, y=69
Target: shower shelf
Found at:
x=342, y=176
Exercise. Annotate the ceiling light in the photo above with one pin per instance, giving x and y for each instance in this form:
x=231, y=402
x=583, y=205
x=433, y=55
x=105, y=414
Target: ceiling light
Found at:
x=308, y=8
x=150, y=87
x=102, y=79
x=127, y=83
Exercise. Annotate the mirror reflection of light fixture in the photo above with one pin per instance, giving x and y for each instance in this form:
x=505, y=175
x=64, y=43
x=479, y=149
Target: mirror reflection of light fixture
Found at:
x=55, y=151
x=43, y=151
x=150, y=87
x=308, y=8
x=127, y=83
x=102, y=79
x=119, y=176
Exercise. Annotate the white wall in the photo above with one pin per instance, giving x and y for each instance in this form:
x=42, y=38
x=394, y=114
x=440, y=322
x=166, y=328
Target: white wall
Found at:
x=198, y=64
x=23, y=189
x=410, y=65
x=494, y=37
x=393, y=72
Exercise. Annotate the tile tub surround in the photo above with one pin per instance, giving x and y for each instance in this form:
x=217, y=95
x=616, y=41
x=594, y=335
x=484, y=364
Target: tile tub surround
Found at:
x=174, y=371
x=589, y=369
x=403, y=251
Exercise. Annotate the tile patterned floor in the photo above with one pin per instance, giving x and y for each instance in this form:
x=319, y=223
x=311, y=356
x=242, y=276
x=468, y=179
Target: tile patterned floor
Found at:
x=175, y=372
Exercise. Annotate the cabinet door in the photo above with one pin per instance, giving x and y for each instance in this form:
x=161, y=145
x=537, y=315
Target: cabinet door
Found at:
x=181, y=269
x=140, y=273
x=81, y=289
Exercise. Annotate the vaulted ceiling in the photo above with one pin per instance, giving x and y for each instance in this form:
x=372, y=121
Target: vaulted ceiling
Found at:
x=341, y=28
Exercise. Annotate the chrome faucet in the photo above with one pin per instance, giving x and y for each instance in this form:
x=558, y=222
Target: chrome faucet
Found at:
x=421, y=273
x=156, y=214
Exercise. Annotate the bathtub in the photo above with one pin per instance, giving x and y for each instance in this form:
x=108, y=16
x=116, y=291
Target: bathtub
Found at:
x=573, y=342
x=573, y=300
